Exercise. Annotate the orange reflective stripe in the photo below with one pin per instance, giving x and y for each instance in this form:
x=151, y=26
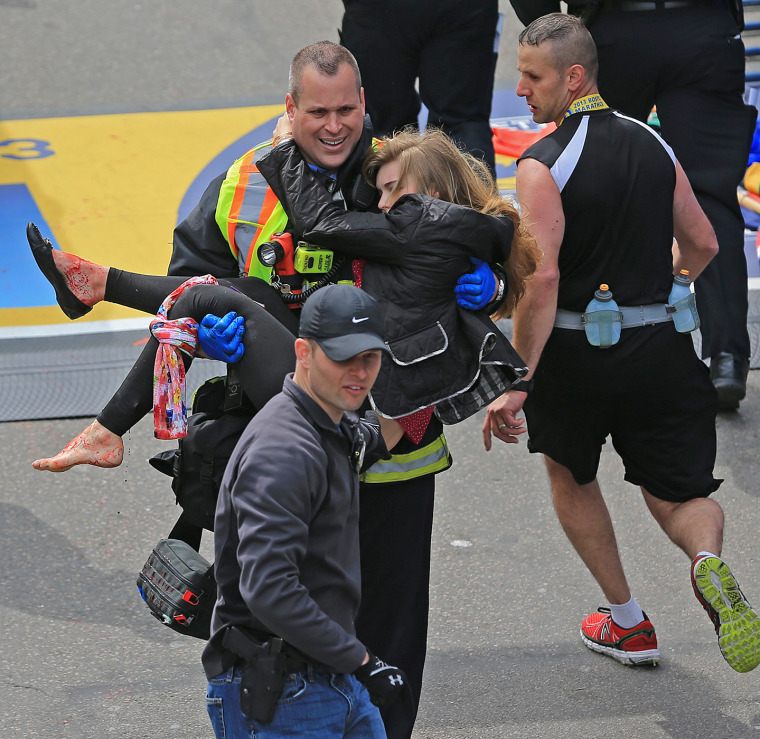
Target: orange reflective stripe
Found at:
x=246, y=168
x=270, y=202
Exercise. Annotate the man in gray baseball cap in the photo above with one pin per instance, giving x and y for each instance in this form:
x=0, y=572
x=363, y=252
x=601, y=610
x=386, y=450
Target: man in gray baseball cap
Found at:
x=287, y=544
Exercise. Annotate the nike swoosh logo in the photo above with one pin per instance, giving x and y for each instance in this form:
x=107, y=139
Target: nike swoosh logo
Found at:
x=359, y=320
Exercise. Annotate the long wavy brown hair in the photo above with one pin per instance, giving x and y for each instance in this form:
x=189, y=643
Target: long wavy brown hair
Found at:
x=442, y=170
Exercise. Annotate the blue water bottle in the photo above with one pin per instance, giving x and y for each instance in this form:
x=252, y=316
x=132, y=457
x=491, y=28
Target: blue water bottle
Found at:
x=682, y=304
x=602, y=320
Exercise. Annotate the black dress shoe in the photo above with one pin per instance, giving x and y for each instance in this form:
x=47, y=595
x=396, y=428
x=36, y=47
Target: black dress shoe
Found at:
x=42, y=250
x=729, y=375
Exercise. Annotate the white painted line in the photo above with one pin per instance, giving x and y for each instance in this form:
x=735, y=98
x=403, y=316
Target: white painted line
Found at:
x=72, y=329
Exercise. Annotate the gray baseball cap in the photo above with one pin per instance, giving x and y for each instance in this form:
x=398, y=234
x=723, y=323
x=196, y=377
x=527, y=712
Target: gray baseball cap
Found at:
x=343, y=320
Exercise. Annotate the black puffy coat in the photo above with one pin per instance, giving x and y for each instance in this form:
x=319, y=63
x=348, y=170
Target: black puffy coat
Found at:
x=440, y=354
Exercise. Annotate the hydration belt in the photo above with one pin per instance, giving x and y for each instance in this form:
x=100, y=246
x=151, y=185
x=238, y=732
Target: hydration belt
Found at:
x=639, y=315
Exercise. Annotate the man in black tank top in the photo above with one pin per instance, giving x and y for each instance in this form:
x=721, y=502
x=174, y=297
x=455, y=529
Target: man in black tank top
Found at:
x=605, y=197
x=687, y=58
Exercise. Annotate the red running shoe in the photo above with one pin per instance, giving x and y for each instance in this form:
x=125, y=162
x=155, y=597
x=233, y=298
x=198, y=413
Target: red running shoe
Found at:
x=636, y=646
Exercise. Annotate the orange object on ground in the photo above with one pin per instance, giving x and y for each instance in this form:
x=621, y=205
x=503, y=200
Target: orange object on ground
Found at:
x=752, y=178
x=512, y=142
x=747, y=199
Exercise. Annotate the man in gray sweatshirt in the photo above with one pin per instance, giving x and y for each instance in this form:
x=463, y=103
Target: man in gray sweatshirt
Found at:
x=283, y=650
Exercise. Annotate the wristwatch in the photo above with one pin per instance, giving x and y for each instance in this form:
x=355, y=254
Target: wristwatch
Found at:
x=502, y=285
x=499, y=291
x=524, y=386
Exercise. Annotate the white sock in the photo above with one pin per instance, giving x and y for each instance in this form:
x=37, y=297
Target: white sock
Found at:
x=627, y=615
x=706, y=554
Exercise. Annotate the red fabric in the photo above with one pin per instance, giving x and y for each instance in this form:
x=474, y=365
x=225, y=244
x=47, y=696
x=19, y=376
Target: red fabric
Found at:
x=416, y=424
x=358, y=268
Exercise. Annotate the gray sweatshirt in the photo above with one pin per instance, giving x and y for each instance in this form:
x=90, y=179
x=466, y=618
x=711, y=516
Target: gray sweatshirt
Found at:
x=286, y=533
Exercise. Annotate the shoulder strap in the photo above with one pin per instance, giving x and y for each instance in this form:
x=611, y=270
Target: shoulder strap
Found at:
x=187, y=532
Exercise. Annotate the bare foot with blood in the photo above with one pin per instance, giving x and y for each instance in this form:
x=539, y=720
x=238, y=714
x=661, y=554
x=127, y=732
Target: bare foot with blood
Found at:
x=86, y=280
x=78, y=284
x=96, y=445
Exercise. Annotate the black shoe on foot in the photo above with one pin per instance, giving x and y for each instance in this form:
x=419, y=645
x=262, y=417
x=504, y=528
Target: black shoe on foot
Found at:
x=42, y=250
x=729, y=375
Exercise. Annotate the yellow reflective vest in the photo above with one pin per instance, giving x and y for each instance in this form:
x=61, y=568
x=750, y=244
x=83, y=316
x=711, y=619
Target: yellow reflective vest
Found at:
x=248, y=212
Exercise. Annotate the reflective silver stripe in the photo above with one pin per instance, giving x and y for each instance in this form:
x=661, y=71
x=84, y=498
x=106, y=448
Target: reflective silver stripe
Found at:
x=639, y=315
x=564, y=167
x=432, y=458
x=248, y=220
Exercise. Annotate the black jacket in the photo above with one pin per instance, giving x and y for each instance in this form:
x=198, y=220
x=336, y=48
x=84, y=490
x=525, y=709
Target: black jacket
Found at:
x=438, y=351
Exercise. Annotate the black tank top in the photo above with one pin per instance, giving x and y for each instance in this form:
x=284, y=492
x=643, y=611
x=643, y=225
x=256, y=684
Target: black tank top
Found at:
x=616, y=178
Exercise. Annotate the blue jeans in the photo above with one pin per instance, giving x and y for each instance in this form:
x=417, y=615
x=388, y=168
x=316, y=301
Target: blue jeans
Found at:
x=313, y=704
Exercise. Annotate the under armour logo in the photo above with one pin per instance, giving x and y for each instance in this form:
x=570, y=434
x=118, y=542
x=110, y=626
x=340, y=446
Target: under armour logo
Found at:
x=396, y=679
x=359, y=320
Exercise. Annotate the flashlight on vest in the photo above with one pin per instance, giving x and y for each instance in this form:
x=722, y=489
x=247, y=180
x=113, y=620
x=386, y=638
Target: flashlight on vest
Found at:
x=270, y=252
x=278, y=254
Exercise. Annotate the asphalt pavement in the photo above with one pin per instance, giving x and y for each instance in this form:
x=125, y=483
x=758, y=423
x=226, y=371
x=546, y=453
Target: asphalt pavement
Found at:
x=83, y=658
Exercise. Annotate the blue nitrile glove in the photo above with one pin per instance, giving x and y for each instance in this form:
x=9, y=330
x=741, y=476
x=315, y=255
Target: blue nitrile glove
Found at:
x=222, y=338
x=475, y=289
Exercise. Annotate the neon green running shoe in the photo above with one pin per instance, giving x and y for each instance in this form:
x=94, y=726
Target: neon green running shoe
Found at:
x=736, y=623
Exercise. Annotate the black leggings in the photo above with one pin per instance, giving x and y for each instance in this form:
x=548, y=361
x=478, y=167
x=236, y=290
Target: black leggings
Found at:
x=268, y=339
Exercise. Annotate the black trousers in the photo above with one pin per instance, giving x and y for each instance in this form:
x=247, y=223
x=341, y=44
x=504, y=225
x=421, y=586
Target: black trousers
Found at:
x=395, y=527
x=268, y=356
x=447, y=44
x=690, y=63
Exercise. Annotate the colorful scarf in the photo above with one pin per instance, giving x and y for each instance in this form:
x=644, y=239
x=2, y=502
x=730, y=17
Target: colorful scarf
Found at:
x=181, y=334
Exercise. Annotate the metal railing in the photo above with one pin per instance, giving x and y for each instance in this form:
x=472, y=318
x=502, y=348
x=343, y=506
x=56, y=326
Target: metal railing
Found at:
x=751, y=53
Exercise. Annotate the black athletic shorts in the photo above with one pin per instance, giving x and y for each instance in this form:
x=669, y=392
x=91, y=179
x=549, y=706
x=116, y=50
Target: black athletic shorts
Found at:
x=650, y=393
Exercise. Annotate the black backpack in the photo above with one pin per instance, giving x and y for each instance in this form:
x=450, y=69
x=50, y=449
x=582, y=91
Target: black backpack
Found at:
x=197, y=465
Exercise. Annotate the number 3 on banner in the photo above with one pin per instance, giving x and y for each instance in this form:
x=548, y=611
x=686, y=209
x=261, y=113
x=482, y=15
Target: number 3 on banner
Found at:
x=25, y=149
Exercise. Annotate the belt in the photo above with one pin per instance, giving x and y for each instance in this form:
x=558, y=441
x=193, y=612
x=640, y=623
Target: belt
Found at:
x=290, y=666
x=638, y=315
x=242, y=646
x=653, y=4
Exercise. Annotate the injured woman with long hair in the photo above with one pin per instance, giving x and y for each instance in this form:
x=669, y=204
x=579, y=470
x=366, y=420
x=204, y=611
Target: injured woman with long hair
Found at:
x=439, y=209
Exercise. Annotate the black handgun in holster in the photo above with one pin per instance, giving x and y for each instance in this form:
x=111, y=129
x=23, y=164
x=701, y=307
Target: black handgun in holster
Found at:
x=263, y=675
